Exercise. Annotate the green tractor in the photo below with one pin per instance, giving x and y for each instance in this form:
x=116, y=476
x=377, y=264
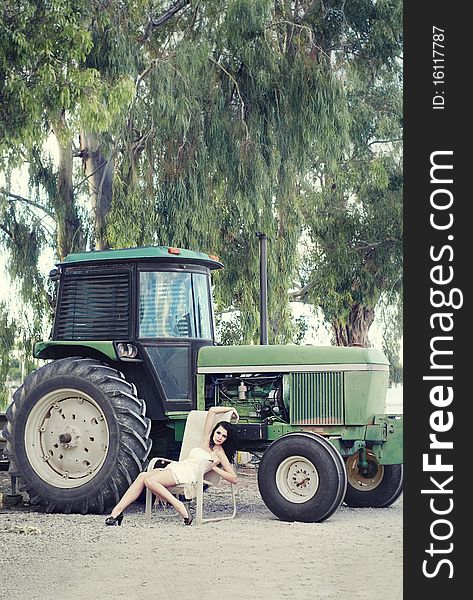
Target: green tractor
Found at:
x=133, y=350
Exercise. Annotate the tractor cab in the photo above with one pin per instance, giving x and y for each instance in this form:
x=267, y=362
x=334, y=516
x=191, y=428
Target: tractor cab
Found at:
x=148, y=308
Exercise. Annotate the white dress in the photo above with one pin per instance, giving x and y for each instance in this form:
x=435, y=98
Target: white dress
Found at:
x=186, y=472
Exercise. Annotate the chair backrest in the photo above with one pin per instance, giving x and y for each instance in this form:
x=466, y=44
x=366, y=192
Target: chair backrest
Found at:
x=194, y=435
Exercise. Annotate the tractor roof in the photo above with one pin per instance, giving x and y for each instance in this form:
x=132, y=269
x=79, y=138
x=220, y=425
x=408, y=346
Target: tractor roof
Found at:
x=148, y=253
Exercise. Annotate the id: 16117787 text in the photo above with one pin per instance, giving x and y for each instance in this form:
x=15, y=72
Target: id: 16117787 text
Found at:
x=438, y=68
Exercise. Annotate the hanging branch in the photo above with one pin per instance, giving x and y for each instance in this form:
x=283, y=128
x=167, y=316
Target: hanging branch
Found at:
x=17, y=198
x=6, y=230
x=242, y=110
x=300, y=294
x=77, y=185
x=164, y=18
x=364, y=245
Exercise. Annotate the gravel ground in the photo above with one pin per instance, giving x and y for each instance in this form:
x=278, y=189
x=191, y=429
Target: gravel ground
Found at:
x=356, y=554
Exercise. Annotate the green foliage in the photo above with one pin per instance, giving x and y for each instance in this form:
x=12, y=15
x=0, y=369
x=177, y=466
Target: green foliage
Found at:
x=301, y=327
x=7, y=342
x=15, y=370
x=358, y=245
x=353, y=207
x=229, y=332
x=226, y=119
x=50, y=83
x=227, y=133
x=17, y=336
x=40, y=45
x=392, y=318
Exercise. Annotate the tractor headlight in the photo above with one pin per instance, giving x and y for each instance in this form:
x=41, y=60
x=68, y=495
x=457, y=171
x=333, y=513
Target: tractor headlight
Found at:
x=125, y=350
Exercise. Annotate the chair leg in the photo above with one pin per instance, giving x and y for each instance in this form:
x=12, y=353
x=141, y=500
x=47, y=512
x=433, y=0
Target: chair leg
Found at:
x=233, y=514
x=148, y=505
x=199, y=502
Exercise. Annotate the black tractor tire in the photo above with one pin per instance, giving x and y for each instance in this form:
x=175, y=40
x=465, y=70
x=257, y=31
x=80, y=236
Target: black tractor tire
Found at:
x=378, y=487
x=302, y=477
x=76, y=435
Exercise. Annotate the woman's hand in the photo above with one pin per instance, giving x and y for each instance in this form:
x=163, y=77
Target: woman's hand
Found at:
x=235, y=414
x=226, y=472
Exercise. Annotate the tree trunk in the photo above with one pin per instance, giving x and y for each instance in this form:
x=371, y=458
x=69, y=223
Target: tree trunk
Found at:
x=355, y=331
x=69, y=228
x=98, y=169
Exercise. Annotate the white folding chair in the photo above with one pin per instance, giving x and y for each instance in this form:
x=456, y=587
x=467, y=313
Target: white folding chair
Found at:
x=193, y=437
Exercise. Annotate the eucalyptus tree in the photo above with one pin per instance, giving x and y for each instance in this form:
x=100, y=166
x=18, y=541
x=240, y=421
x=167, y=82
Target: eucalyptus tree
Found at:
x=353, y=208
x=37, y=47
x=55, y=104
x=187, y=123
x=48, y=93
x=225, y=122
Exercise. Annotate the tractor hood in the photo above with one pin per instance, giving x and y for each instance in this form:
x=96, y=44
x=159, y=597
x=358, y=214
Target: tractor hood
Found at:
x=289, y=358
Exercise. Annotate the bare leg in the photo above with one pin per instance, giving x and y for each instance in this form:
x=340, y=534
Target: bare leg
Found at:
x=158, y=483
x=131, y=494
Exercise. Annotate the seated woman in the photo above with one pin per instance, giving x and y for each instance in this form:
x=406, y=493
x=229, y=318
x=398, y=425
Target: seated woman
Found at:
x=217, y=451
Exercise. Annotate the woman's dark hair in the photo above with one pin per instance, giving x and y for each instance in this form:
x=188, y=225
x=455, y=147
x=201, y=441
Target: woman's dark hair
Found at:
x=229, y=445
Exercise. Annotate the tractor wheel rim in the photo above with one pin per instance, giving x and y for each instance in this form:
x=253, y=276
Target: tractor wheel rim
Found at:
x=297, y=479
x=361, y=482
x=66, y=438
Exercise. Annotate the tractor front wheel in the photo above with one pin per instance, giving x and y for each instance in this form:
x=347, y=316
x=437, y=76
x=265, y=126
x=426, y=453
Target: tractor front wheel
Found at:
x=301, y=477
x=77, y=436
x=375, y=486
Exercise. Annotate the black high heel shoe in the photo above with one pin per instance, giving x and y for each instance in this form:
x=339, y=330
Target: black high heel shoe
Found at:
x=188, y=520
x=114, y=520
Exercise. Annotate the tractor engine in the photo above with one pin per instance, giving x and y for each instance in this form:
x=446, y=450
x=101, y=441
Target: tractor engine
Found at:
x=256, y=397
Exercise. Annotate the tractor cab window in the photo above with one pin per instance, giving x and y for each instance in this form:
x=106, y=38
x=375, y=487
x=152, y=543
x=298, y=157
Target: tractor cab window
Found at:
x=174, y=305
x=203, y=312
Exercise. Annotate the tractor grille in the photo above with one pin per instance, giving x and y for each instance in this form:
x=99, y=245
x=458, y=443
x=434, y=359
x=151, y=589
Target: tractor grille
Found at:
x=316, y=398
x=94, y=306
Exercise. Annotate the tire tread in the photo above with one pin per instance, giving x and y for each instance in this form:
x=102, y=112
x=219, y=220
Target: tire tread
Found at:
x=133, y=425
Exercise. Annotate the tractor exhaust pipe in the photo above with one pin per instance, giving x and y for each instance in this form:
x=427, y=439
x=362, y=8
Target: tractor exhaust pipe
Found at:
x=263, y=295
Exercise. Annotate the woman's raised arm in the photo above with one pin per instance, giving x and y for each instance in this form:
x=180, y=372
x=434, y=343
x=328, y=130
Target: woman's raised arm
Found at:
x=210, y=420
